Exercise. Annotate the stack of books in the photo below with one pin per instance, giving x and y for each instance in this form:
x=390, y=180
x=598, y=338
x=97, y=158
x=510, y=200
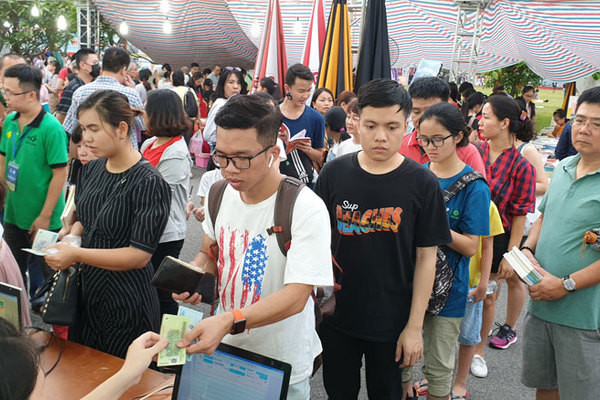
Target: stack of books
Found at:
x=522, y=266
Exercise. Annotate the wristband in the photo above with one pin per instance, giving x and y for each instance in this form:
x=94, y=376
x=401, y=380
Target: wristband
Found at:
x=527, y=248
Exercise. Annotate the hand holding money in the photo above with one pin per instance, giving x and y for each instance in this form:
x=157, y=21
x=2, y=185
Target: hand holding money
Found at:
x=140, y=353
x=173, y=328
x=209, y=333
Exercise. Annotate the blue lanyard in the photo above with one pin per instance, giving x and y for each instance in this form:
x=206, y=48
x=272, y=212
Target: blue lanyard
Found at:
x=20, y=142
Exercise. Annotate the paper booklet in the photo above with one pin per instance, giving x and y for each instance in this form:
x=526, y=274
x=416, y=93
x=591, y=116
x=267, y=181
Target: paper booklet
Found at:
x=522, y=266
x=299, y=137
x=43, y=239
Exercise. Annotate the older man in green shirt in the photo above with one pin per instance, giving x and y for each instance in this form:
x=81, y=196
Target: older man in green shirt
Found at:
x=561, y=353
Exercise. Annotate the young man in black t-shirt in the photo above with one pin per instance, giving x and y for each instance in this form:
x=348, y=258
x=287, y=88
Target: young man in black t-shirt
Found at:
x=388, y=217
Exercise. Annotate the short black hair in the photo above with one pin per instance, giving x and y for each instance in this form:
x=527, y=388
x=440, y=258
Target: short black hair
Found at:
x=298, y=71
x=450, y=117
x=528, y=89
x=194, y=65
x=560, y=113
x=206, y=71
x=464, y=86
x=591, y=96
x=197, y=75
x=82, y=55
x=381, y=93
x=165, y=114
x=178, y=78
x=246, y=112
x=115, y=59
x=30, y=78
x=429, y=87
x=475, y=99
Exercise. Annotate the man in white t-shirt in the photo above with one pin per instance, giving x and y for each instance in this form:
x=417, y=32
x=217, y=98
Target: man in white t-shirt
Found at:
x=265, y=303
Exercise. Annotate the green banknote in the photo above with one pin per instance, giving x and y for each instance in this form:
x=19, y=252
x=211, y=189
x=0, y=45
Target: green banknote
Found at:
x=173, y=327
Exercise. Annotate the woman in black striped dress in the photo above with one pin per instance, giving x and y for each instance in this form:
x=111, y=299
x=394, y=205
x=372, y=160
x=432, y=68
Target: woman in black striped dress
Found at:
x=122, y=208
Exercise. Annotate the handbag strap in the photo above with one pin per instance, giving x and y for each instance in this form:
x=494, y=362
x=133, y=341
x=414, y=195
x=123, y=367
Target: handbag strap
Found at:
x=461, y=183
x=114, y=193
x=516, y=161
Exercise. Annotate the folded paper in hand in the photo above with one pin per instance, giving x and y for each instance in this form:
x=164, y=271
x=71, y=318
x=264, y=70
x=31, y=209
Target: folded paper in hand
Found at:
x=522, y=266
x=176, y=276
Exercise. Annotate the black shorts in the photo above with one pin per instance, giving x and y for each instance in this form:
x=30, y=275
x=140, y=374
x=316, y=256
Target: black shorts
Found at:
x=500, y=247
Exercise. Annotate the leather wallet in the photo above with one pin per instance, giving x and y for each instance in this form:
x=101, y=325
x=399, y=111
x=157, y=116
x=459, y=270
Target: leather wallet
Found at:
x=176, y=276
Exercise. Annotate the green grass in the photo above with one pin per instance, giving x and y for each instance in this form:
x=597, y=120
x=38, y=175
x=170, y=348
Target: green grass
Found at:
x=544, y=110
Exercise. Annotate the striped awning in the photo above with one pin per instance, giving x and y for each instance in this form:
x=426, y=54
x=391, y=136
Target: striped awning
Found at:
x=560, y=40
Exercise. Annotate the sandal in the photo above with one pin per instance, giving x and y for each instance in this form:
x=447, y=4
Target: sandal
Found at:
x=420, y=388
x=465, y=396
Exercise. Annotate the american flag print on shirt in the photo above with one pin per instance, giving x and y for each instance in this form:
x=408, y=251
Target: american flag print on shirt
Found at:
x=242, y=263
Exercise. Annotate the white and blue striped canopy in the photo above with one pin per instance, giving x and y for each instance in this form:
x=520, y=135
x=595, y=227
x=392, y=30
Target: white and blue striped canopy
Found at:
x=559, y=40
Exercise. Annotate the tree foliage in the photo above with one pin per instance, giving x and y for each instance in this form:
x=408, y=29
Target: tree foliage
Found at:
x=30, y=36
x=513, y=78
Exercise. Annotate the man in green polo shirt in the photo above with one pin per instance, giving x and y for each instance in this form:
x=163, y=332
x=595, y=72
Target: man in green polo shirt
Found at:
x=33, y=163
x=561, y=354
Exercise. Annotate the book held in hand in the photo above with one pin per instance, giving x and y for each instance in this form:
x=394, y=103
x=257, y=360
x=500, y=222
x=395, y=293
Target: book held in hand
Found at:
x=176, y=276
x=522, y=266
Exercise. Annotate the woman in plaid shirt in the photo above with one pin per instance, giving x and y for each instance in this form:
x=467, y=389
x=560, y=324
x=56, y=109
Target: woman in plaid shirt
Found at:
x=512, y=185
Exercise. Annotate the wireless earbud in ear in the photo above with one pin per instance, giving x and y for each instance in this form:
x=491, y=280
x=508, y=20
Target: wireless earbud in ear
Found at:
x=288, y=95
x=271, y=161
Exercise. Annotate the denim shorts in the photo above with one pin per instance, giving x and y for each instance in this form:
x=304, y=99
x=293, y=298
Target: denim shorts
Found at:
x=470, y=327
x=561, y=357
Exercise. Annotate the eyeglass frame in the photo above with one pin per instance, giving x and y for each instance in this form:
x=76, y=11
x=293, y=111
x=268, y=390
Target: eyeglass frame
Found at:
x=431, y=141
x=249, y=158
x=233, y=69
x=581, y=122
x=11, y=94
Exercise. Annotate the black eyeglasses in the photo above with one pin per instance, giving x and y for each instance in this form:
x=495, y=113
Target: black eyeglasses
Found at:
x=436, y=142
x=239, y=162
x=8, y=93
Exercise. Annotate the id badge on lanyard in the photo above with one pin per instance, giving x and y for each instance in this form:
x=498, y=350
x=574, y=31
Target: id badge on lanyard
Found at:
x=12, y=172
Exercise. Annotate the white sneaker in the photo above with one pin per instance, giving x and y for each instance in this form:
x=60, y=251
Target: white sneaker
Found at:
x=479, y=367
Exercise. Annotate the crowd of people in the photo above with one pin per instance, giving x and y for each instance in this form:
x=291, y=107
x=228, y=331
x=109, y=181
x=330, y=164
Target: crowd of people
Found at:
x=398, y=192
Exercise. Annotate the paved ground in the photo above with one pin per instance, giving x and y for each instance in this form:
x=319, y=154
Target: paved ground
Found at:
x=504, y=365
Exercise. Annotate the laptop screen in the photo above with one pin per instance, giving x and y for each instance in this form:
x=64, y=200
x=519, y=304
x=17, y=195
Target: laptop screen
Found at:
x=10, y=304
x=232, y=374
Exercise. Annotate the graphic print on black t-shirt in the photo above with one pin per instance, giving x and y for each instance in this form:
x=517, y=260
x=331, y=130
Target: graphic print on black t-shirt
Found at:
x=378, y=221
x=350, y=221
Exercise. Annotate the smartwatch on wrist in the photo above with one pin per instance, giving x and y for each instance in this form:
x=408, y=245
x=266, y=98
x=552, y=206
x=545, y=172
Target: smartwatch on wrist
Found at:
x=239, y=322
x=569, y=284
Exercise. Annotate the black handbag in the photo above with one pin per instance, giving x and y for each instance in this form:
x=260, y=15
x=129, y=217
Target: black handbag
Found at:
x=61, y=303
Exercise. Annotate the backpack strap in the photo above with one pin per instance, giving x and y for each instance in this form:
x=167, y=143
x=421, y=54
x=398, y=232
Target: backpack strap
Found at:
x=215, y=197
x=461, y=183
x=288, y=191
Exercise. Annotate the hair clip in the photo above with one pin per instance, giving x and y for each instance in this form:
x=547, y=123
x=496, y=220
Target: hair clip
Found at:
x=523, y=116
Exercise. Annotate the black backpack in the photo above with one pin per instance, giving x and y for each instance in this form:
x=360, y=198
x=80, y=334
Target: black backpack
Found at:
x=444, y=275
x=190, y=105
